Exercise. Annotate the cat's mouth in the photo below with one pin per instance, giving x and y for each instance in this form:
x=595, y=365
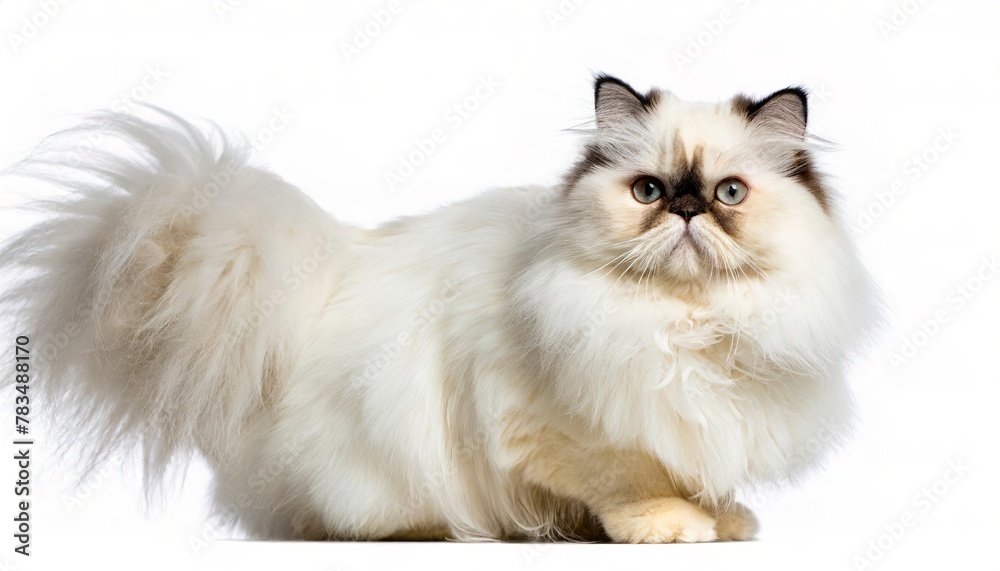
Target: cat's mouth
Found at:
x=688, y=252
x=685, y=254
x=686, y=240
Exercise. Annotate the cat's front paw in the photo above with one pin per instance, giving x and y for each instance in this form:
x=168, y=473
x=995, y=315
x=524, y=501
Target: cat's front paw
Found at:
x=735, y=523
x=659, y=520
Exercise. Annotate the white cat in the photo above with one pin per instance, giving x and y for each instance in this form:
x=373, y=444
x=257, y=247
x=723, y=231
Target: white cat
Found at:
x=616, y=355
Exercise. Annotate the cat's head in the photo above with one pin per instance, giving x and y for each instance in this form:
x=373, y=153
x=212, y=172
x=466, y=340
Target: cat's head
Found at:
x=697, y=193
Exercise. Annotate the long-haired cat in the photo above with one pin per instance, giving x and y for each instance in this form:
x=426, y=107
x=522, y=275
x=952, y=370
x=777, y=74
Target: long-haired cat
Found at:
x=615, y=356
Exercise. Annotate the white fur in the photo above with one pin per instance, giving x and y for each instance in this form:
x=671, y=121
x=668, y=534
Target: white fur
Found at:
x=380, y=390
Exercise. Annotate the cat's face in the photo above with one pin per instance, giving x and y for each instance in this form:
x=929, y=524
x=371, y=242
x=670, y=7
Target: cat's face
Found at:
x=694, y=193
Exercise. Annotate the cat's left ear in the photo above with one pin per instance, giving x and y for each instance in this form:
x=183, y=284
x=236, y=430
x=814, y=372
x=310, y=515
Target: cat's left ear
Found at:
x=784, y=111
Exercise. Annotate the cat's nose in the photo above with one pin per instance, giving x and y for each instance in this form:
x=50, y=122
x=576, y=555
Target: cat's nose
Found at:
x=687, y=206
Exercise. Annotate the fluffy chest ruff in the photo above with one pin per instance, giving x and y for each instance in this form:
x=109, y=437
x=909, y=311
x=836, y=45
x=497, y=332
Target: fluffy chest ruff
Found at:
x=715, y=394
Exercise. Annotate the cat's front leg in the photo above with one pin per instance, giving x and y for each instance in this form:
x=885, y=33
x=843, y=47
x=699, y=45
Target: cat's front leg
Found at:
x=633, y=495
x=735, y=522
x=658, y=520
x=675, y=519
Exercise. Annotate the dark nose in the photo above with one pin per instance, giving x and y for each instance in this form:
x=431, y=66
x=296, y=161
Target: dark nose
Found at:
x=688, y=206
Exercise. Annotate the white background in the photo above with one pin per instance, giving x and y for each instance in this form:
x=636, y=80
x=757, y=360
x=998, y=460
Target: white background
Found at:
x=883, y=92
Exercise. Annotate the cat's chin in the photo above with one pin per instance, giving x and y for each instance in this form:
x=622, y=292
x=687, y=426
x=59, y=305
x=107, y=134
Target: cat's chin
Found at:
x=691, y=259
x=686, y=261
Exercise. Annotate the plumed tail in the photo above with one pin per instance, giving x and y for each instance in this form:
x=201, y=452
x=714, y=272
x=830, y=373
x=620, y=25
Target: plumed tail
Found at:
x=167, y=288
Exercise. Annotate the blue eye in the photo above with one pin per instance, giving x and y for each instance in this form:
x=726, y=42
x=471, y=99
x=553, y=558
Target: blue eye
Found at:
x=647, y=189
x=731, y=191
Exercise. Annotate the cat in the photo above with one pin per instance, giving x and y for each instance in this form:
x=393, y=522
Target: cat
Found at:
x=615, y=357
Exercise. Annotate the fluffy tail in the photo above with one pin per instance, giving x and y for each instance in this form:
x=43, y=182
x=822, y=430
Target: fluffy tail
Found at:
x=167, y=289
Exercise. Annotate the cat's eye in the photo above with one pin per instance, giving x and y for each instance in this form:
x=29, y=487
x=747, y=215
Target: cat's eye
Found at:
x=647, y=189
x=731, y=191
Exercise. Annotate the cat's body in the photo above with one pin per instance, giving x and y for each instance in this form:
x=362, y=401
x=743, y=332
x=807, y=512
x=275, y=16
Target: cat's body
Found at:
x=530, y=362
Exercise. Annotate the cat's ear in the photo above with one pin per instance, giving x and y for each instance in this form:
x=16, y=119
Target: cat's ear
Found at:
x=783, y=111
x=616, y=102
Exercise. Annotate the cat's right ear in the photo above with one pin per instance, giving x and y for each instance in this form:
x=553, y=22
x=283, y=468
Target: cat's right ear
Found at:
x=617, y=103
